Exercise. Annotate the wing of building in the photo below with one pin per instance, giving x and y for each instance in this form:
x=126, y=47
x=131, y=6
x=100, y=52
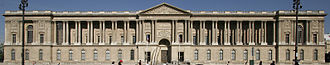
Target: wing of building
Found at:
x=164, y=33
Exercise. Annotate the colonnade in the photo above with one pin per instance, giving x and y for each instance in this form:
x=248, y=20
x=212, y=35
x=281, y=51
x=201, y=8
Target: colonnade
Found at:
x=216, y=33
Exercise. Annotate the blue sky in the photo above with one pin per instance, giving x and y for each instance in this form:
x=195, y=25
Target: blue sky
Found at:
x=126, y=5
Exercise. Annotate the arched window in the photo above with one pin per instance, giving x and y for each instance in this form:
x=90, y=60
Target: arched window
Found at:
x=270, y=55
x=107, y=54
x=95, y=54
x=209, y=54
x=287, y=54
x=180, y=38
x=233, y=55
x=221, y=54
x=58, y=55
x=302, y=54
x=196, y=54
x=29, y=34
x=258, y=54
x=13, y=54
x=148, y=38
x=245, y=55
x=300, y=34
x=40, y=54
x=83, y=54
x=120, y=54
x=70, y=54
x=315, y=54
x=27, y=54
x=132, y=55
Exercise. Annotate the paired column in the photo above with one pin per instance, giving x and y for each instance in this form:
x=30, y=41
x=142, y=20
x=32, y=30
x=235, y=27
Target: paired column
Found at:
x=226, y=33
x=213, y=33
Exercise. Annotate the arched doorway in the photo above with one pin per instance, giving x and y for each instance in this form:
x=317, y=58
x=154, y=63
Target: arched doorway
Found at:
x=165, y=53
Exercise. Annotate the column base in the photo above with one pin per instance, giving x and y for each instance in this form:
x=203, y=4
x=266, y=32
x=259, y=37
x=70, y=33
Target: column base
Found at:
x=77, y=43
x=113, y=43
x=101, y=43
x=252, y=43
x=214, y=43
x=125, y=43
x=263, y=43
x=89, y=43
x=239, y=43
x=227, y=43
x=274, y=43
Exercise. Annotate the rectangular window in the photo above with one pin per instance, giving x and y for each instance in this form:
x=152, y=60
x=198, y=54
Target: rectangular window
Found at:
x=132, y=54
x=110, y=40
x=148, y=38
x=245, y=55
x=208, y=54
x=134, y=39
x=315, y=38
x=120, y=55
x=30, y=37
x=218, y=37
x=40, y=54
x=147, y=56
x=221, y=55
x=288, y=55
x=95, y=55
x=302, y=54
x=98, y=39
x=14, y=38
x=70, y=54
x=180, y=38
x=315, y=55
x=287, y=38
x=207, y=40
x=12, y=54
x=27, y=55
x=122, y=39
x=83, y=55
x=258, y=55
x=195, y=40
x=107, y=55
x=233, y=55
x=58, y=55
x=41, y=38
x=196, y=55
x=270, y=55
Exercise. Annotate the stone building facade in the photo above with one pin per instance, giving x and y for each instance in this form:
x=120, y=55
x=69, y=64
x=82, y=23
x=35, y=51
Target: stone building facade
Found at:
x=164, y=33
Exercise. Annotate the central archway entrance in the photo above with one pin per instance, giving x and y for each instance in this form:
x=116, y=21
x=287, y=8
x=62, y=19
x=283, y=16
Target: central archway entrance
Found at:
x=165, y=53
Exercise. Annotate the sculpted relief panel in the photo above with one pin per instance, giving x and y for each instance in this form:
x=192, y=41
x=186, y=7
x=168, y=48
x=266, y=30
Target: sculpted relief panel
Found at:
x=164, y=10
x=163, y=31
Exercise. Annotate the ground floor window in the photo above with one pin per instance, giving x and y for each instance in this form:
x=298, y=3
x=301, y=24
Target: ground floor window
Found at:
x=13, y=54
x=196, y=54
x=315, y=54
x=288, y=54
x=233, y=55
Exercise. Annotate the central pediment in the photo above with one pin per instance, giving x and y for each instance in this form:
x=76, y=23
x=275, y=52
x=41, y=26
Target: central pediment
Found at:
x=164, y=8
